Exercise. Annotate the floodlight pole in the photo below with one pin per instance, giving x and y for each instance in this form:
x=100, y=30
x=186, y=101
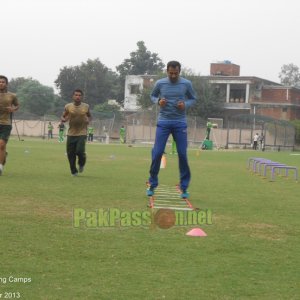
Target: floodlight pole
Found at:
x=254, y=113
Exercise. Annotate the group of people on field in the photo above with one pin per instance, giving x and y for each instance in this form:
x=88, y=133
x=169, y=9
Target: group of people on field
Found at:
x=90, y=132
x=61, y=131
x=258, y=141
x=173, y=94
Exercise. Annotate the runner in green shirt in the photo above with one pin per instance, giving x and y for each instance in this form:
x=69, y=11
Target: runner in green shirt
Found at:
x=61, y=132
x=122, y=135
x=90, y=133
x=50, y=130
x=208, y=129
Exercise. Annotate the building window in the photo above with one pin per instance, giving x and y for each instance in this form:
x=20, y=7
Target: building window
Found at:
x=237, y=93
x=284, y=109
x=134, y=89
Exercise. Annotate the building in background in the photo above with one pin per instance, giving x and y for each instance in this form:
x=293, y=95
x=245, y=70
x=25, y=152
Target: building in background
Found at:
x=134, y=84
x=242, y=94
x=253, y=95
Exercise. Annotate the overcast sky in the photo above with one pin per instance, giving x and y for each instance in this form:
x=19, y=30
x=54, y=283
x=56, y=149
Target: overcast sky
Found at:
x=39, y=37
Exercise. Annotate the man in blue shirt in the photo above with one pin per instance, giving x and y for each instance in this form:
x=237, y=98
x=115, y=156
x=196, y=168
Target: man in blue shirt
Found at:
x=174, y=95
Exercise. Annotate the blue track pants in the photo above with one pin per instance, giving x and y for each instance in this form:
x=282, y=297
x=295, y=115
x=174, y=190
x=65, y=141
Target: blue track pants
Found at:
x=179, y=133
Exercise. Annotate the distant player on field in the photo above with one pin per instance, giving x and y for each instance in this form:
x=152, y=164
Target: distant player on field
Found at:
x=50, y=130
x=61, y=131
x=90, y=133
x=122, y=135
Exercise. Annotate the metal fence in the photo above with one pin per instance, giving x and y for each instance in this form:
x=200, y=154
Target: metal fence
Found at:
x=276, y=134
x=141, y=127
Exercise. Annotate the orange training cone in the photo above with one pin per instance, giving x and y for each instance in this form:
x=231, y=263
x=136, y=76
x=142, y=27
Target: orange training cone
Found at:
x=163, y=162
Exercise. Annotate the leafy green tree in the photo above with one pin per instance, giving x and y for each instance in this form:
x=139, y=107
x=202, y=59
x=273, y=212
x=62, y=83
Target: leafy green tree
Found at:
x=67, y=81
x=105, y=110
x=58, y=106
x=96, y=81
x=105, y=107
x=141, y=62
x=210, y=100
x=16, y=83
x=35, y=97
x=290, y=75
x=143, y=99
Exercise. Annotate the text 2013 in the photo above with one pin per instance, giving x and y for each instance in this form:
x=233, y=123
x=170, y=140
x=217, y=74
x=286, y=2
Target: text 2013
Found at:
x=10, y=295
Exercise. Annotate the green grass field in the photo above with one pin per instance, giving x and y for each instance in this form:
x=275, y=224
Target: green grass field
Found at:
x=251, y=251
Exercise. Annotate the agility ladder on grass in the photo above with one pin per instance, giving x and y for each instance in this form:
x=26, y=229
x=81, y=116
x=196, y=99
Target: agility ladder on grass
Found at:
x=169, y=198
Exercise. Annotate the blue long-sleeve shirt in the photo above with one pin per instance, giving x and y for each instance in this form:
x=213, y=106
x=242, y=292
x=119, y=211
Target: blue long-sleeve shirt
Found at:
x=181, y=90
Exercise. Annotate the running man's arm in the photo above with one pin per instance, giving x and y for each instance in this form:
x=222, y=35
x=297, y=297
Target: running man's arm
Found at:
x=14, y=106
x=64, y=116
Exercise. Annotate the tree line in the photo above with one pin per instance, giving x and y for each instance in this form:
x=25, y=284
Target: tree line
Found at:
x=99, y=84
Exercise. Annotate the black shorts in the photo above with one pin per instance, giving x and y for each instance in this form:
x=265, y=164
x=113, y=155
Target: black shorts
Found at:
x=5, y=132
